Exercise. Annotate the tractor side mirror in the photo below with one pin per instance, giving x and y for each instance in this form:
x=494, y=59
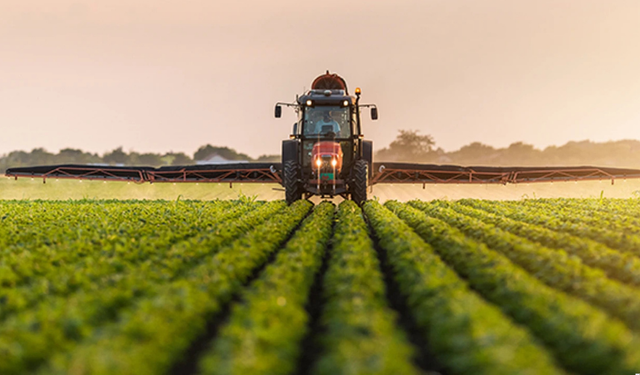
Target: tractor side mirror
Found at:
x=278, y=111
x=374, y=113
x=295, y=128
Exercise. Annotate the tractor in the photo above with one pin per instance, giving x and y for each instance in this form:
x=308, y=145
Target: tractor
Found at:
x=326, y=154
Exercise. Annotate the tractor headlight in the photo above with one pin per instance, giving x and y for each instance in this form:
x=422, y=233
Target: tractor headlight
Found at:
x=309, y=103
x=334, y=162
x=319, y=163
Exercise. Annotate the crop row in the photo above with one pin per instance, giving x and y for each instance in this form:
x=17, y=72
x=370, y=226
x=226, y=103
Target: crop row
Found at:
x=242, y=287
x=82, y=234
x=583, y=338
x=62, y=321
x=628, y=207
x=576, y=214
x=623, y=215
x=617, y=265
x=467, y=334
x=127, y=270
x=556, y=220
x=554, y=267
x=111, y=265
x=157, y=331
x=266, y=328
x=360, y=335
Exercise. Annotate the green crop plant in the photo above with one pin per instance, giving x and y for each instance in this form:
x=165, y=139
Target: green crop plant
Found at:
x=360, y=336
x=556, y=220
x=265, y=329
x=542, y=286
x=553, y=267
x=467, y=334
x=617, y=265
x=584, y=339
x=86, y=310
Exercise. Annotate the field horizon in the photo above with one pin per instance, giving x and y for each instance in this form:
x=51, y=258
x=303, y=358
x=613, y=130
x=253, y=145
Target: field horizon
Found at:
x=53, y=189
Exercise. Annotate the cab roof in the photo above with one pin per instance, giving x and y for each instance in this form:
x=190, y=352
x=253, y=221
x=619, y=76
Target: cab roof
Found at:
x=326, y=97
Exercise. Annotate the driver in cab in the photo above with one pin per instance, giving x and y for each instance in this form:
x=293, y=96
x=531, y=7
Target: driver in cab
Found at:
x=327, y=124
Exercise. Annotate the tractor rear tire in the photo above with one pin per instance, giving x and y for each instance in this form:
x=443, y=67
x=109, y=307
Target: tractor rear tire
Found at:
x=290, y=179
x=360, y=182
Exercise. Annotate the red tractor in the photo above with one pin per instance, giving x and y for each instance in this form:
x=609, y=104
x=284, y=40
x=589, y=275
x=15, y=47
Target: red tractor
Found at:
x=326, y=154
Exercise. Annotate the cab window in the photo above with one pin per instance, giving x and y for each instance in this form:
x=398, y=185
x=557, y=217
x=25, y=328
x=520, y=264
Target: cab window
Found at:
x=324, y=120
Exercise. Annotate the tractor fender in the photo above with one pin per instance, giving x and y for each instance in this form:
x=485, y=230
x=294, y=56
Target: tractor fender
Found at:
x=290, y=150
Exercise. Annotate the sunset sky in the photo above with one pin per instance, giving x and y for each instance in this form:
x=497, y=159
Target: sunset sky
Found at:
x=162, y=75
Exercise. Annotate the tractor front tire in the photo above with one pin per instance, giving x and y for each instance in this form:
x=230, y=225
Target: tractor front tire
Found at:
x=291, y=176
x=360, y=182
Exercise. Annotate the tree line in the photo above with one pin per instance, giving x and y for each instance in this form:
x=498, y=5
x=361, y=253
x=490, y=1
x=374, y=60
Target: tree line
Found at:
x=409, y=146
x=118, y=156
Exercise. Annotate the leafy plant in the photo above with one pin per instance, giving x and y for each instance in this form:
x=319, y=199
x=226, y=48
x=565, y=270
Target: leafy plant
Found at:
x=583, y=339
x=265, y=329
x=469, y=335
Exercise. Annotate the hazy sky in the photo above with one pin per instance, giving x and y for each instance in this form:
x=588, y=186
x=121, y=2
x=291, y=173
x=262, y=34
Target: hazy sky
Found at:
x=161, y=75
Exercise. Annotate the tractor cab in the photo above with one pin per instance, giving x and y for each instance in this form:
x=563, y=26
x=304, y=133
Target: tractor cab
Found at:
x=326, y=154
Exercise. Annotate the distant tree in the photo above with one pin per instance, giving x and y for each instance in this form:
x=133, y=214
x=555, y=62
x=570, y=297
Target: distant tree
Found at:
x=116, y=156
x=75, y=156
x=269, y=158
x=178, y=158
x=17, y=158
x=145, y=159
x=40, y=156
x=14, y=159
x=474, y=153
x=207, y=151
x=520, y=153
x=409, y=146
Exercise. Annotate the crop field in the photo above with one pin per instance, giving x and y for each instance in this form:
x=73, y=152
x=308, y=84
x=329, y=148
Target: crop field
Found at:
x=539, y=286
x=33, y=188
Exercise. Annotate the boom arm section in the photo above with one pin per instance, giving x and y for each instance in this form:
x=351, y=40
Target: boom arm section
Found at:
x=390, y=173
x=82, y=172
x=236, y=172
x=397, y=173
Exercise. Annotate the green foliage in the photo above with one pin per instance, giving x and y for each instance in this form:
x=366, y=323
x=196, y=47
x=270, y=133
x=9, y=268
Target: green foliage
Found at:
x=616, y=264
x=246, y=199
x=411, y=147
x=177, y=158
x=265, y=330
x=468, y=335
x=133, y=287
x=208, y=151
x=553, y=267
x=408, y=146
x=360, y=333
x=607, y=228
x=583, y=339
x=117, y=156
x=124, y=267
x=269, y=158
x=157, y=331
